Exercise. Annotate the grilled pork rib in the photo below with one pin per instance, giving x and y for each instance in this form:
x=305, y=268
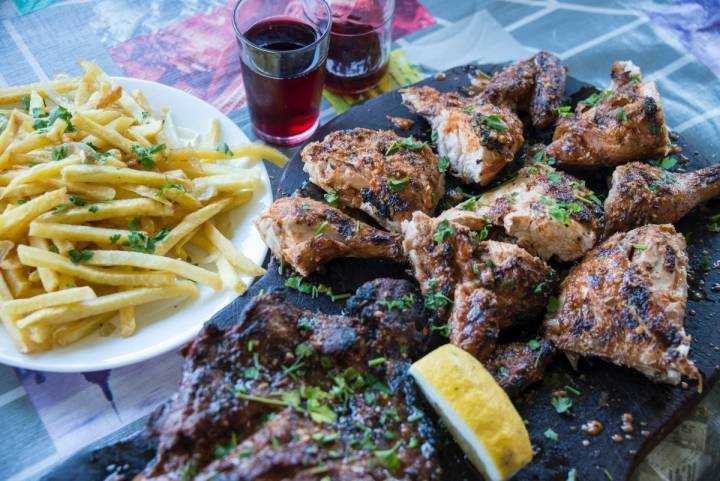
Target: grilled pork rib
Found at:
x=622, y=124
x=485, y=285
x=642, y=194
x=306, y=234
x=386, y=176
x=626, y=303
x=288, y=392
x=548, y=212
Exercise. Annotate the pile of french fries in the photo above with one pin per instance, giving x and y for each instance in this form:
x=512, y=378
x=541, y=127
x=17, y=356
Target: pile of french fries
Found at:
x=105, y=205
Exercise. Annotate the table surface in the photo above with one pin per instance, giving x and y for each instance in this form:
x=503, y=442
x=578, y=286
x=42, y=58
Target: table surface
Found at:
x=190, y=45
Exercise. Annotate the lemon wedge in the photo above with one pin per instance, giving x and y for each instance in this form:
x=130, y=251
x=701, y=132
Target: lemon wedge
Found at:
x=476, y=410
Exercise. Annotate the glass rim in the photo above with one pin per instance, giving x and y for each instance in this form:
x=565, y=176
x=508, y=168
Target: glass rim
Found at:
x=242, y=37
x=388, y=18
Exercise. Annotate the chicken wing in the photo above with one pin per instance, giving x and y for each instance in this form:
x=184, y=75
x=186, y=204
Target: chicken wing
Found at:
x=621, y=124
x=307, y=234
x=642, y=194
x=487, y=285
x=546, y=211
x=626, y=303
x=478, y=139
x=536, y=85
x=387, y=176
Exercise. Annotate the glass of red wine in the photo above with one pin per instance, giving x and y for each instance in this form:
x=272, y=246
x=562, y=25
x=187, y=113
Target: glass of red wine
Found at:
x=283, y=45
x=359, y=44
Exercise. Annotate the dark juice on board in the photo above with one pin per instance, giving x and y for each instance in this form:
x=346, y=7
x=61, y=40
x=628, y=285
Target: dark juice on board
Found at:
x=283, y=96
x=356, y=58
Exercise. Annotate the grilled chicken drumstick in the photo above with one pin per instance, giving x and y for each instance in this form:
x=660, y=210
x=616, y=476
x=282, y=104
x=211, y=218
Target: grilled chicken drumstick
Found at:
x=642, y=194
x=486, y=285
x=307, y=234
x=548, y=212
x=626, y=303
x=386, y=176
x=622, y=124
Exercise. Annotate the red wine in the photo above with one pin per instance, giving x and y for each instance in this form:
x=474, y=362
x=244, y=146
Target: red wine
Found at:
x=356, y=58
x=283, y=79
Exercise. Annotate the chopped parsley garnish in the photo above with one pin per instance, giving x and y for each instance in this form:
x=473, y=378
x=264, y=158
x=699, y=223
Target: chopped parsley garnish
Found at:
x=134, y=223
x=398, y=184
x=434, y=136
x=60, y=208
x=480, y=235
x=59, y=152
x=434, y=299
x=443, y=229
x=554, y=177
x=331, y=198
x=553, y=305
x=140, y=242
x=639, y=247
x=376, y=362
x=573, y=390
x=608, y=475
x=565, y=111
x=494, y=122
x=408, y=143
x=78, y=201
x=561, y=404
x=469, y=108
x=533, y=344
x=93, y=208
x=114, y=238
x=468, y=204
x=443, y=163
x=705, y=263
x=667, y=163
x=99, y=156
x=224, y=149
x=300, y=284
x=25, y=103
x=550, y=434
x=388, y=457
x=621, y=115
x=146, y=155
x=561, y=210
x=170, y=185
x=45, y=121
x=406, y=301
x=4, y=120
x=222, y=450
x=77, y=256
x=442, y=329
x=321, y=228
x=655, y=130
x=595, y=98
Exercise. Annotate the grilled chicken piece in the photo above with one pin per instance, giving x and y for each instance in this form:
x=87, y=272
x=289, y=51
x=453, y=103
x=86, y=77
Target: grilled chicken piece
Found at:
x=234, y=380
x=548, y=212
x=479, y=139
x=626, y=303
x=306, y=234
x=642, y=194
x=487, y=285
x=536, y=85
x=387, y=176
x=516, y=365
x=622, y=124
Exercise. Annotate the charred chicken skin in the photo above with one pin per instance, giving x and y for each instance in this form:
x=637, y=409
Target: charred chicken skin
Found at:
x=546, y=211
x=642, y=194
x=256, y=410
x=621, y=124
x=536, y=85
x=626, y=303
x=386, y=176
x=485, y=286
x=478, y=139
x=306, y=234
x=515, y=365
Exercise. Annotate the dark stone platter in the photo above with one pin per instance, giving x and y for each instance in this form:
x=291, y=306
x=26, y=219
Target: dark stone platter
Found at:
x=607, y=391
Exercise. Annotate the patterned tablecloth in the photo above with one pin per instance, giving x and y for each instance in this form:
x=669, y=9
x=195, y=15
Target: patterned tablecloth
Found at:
x=189, y=44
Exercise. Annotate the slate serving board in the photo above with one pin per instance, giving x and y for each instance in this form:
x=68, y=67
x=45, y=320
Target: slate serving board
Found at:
x=607, y=391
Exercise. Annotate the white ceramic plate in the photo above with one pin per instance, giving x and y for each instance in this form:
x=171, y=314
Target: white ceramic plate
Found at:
x=163, y=325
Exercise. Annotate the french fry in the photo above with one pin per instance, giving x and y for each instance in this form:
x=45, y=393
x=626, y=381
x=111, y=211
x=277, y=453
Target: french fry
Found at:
x=5, y=294
x=75, y=331
x=11, y=95
x=109, y=135
x=109, y=303
x=10, y=131
x=228, y=182
x=82, y=233
x=11, y=223
x=19, y=307
x=254, y=151
x=228, y=250
x=108, y=210
x=49, y=278
x=127, y=321
x=229, y=276
x=32, y=256
x=112, y=175
x=46, y=170
x=188, y=224
x=155, y=262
